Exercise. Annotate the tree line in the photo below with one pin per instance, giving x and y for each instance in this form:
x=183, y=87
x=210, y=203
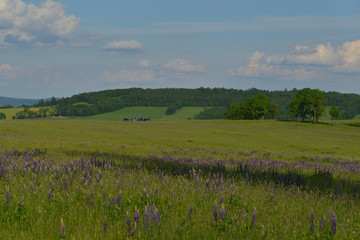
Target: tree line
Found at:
x=92, y=103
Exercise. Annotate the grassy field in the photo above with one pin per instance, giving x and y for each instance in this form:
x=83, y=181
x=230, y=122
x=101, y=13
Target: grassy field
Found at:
x=185, y=113
x=10, y=112
x=155, y=113
x=90, y=179
x=131, y=112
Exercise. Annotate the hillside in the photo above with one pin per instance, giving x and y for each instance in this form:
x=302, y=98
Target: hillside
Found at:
x=155, y=113
x=16, y=102
x=94, y=103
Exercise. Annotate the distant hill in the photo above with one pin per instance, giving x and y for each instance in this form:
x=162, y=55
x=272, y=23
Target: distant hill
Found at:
x=94, y=103
x=16, y=102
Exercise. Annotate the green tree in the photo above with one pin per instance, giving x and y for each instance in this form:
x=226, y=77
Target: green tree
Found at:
x=334, y=112
x=2, y=115
x=300, y=105
x=317, y=103
x=258, y=107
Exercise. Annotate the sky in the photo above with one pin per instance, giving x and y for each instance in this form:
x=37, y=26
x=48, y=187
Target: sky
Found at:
x=61, y=47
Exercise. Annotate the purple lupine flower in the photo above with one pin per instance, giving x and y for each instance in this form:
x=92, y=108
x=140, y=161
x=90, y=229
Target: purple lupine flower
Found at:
x=50, y=194
x=322, y=223
x=247, y=179
x=207, y=184
x=118, y=199
x=136, y=220
x=63, y=229
x=20, y=205
x=253, y=219
x=222, y=199
x=144, y=192
x=214, y=210
x=190, y=212
x=128, y=224
x=312, y=227
x=243, y=216
x=7, y=196
x=333, y=221
x=106, y=224
x=156, y=215
x=222, y=214
x=147, y=217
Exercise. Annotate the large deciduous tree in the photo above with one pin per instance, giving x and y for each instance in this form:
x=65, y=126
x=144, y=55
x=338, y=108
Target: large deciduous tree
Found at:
x=317, y=103
x=300, y=105
x=258, y=107
x=306, y=103
x=334, y=112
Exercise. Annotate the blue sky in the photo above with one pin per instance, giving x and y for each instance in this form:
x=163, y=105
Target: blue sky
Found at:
x=62, y=47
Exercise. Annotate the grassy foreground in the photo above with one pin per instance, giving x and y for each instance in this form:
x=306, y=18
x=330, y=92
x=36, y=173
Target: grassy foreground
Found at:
x=179, y=180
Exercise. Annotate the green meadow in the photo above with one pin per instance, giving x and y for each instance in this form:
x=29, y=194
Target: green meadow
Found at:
x=11, y=112
x=155, y=113
x=179, y=179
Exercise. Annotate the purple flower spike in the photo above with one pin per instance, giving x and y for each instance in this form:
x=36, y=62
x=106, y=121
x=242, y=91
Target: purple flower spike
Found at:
x=312, y=227
x=214, y=209
x=222, y=212
x=63, y=229
x=190, y=212
x=253, y=219
x=7, y=196
x=128, y=224
x=333, y=221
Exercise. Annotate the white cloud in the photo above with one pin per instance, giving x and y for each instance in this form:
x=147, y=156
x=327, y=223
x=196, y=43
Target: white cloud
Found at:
x=26, y=23
x=129, y=76
x=7, y=72
x=303, y=62
x=182, y=65
x=123, y=46
x=144, y=63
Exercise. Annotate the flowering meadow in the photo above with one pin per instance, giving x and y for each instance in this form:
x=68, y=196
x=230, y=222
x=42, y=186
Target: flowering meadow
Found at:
x=176, y=193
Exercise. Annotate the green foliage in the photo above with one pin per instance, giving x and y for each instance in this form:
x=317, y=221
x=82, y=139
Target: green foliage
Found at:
x=308, y=103
x=212, y=113
x=317, y=103
x=6, y=107
x=2, y=115
x=258, y=107
x=173, y=108
x=300, y=104
x=334, y=112
x=112, y=100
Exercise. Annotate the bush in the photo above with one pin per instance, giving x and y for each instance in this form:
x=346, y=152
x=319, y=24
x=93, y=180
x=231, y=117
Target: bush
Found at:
x=2, y=115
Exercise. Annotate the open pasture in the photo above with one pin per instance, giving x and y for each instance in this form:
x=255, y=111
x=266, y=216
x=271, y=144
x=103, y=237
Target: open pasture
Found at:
x=155, y=113
x=179, y=179
x=11, y=112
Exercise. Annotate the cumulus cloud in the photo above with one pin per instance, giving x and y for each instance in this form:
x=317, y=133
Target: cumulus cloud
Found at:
x=144, y=63
x=182, y=65
x=303, y=62
x=129, y=76
x=29, y=23
x=7, y=72
x=124, y=46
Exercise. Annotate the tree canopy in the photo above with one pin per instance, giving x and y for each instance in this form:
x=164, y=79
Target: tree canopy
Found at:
x=175, y=98
x=258, y=107
x=308, y=103
x=334, y=112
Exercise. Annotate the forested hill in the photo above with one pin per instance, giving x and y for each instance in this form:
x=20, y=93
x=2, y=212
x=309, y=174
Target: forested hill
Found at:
x=110, y=100
x=15, y=102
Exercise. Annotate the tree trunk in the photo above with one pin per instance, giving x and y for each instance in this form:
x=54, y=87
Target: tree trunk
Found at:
x=315, y=120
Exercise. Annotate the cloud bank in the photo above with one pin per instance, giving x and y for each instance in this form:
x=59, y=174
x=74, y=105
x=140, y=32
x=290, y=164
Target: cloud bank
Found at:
x=304, y=62
x=182, y=65
x=28, y=23
x=123, y=46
